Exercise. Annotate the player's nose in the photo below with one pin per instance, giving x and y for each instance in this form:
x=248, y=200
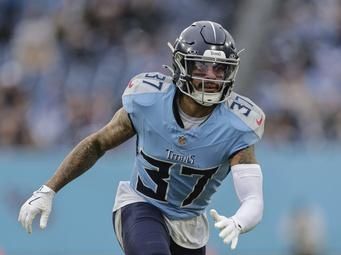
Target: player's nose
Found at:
x=210, y=73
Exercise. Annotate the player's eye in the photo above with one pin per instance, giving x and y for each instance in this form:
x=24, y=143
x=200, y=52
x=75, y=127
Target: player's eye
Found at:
x=200, y=66
x=221, y=68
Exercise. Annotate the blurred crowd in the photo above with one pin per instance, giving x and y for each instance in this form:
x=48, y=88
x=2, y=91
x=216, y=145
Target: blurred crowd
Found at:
x=65, y=63
x=299, y=81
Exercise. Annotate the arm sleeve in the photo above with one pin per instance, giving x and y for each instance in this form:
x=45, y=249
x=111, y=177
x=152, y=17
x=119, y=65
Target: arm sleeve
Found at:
x=248, y=184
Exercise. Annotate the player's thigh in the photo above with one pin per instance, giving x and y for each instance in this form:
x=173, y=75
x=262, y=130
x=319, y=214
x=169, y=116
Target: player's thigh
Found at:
x=141, y=229
x=176, y=249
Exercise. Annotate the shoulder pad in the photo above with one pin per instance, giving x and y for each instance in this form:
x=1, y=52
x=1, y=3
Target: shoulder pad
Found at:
x=148, y=83
x=248, y=112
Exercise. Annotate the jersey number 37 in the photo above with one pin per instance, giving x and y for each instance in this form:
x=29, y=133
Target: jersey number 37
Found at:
x=161, y=178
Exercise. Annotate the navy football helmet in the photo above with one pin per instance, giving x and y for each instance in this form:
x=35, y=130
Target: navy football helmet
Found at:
x=199, y=45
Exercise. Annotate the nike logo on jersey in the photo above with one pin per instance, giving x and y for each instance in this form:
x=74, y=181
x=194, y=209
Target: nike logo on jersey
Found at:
x=259, y=122
x=30, y=203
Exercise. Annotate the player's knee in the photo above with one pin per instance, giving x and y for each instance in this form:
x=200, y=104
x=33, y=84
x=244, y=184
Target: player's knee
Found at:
x=155, y=249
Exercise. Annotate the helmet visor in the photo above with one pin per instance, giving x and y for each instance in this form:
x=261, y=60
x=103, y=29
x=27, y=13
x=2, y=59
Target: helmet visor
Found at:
x=220, y=70
x=202, y=69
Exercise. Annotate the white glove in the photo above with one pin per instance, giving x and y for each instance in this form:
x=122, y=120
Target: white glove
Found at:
x=229, y=229
x=39, y=202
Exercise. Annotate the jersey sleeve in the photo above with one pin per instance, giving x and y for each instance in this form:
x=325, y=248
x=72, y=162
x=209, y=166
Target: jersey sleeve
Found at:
x=140, y=93
x=248, y=121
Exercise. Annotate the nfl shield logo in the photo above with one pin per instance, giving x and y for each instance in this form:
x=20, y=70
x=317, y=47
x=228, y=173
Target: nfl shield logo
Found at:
x=182, y=140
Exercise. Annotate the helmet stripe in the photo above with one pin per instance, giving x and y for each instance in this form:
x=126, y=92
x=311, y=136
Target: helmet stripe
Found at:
x=214, y=33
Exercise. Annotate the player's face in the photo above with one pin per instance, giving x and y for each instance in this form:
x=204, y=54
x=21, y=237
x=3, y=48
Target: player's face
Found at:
x=210, y=71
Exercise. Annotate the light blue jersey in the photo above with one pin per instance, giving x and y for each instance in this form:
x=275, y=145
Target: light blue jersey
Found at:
x=175, y=169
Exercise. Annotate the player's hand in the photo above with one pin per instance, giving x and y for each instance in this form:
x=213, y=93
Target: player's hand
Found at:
x=39, y=202
x=229, y=229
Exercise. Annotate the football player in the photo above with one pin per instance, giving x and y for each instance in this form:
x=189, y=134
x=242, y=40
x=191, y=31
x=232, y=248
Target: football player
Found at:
x=192, y=130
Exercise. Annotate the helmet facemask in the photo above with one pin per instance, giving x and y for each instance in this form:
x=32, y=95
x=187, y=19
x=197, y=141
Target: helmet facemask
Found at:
x=192, y=80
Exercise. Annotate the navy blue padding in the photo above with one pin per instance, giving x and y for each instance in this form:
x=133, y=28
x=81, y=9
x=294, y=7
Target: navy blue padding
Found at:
x=144, y=232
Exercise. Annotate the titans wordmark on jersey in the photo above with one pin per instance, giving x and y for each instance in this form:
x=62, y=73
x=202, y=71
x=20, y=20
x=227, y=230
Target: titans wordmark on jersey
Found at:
x=178, y=170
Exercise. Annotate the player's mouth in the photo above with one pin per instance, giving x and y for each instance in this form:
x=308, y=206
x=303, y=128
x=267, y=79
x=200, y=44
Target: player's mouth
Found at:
x=211, y=87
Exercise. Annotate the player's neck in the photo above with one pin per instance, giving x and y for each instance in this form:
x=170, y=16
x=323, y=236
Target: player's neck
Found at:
x=192, y=108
